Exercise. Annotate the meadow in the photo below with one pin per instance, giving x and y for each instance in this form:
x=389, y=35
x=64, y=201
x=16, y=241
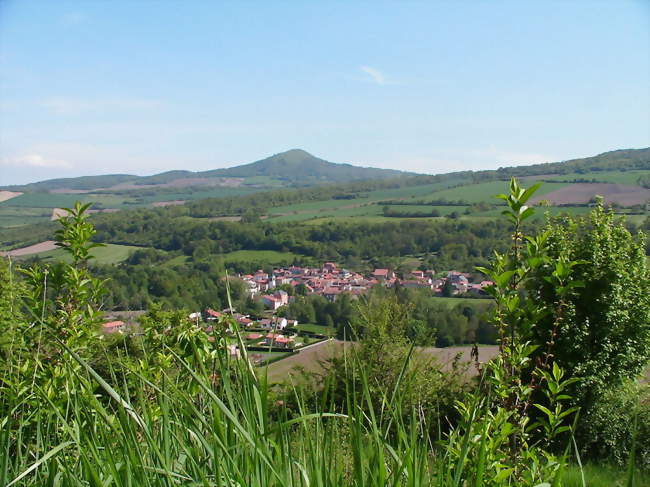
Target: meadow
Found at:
x=619, y=177
x=109, y=254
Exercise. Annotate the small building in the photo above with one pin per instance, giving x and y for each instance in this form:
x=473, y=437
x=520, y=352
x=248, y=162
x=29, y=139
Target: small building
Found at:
x=113, y=326
x=284, y=342
x=383, y=274
x=212, y=315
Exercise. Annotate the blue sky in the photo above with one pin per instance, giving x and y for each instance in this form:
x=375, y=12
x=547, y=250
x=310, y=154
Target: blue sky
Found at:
x=141, y=87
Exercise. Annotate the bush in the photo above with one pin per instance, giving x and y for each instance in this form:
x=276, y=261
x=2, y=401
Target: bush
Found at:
x=607, y=430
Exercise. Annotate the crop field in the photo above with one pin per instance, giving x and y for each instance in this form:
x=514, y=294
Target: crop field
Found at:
x=424, y=209
x=367, y=208
x=623, y=194
x=365, y=198
x=313, y=358
x=619, y=177
x=540, y=211
x=43, y=200
x=476, y=193
x=192, y=194
x=110, y=254
x=12, y=216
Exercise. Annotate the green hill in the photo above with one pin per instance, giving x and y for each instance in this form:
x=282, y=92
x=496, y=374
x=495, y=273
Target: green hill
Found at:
x=295, y=167
x=301, y=168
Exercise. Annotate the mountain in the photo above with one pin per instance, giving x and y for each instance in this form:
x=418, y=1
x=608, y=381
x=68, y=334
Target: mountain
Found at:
x=299, y=166
x=295, y=167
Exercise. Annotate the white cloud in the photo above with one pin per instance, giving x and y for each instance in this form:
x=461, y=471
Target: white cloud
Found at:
x=35, y=160
x=376, y=76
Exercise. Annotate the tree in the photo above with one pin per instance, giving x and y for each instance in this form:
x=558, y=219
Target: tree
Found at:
x=601, y=330
x=448, y=288
x=11, y=339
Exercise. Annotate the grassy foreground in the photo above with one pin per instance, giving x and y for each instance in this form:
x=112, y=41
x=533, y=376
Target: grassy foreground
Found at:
x=219, y=426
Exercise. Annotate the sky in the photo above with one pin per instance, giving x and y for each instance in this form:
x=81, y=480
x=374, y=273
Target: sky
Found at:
x=141, y=87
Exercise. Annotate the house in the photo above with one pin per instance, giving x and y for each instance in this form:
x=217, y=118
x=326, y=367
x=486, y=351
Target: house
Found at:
x=457, y=277
x=479, y=288
x=279, y=341
x=270, y=338
x=284, y=342
x=261, y=276
x=292, y=323
x=113, y=326
x=212, y=315
x=271, y=302
x=329, y=267
x=275, y=300
x=331, y=293
x=275, y=323
x=416, y=284
x=244, y=321
x=383, y=274
x=251, y=286
x=253, y=336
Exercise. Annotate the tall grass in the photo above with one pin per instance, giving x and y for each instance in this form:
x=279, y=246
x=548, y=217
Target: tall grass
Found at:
x=217, y=425
x=220, y=427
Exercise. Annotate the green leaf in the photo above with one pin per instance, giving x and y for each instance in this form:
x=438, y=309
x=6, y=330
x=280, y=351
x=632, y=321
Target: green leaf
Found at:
x=529, y=192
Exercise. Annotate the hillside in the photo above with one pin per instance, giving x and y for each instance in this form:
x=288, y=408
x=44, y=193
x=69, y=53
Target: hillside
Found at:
x=293, y=167
x=302, y=168
x=623, y=159
x=294, y=186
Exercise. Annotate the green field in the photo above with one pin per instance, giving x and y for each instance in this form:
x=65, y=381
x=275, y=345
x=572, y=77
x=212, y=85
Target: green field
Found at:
x=110, y=254
x=14, y=216
x=451, y=302
x=315, y=207
x=619, y=177
x=476, y=193
x=368, y=208
x=314, y=328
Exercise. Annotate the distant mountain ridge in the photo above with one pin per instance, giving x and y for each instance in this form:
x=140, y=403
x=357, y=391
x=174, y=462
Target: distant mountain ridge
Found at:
x=298, y=168
x=294, y=167
x=624, y=159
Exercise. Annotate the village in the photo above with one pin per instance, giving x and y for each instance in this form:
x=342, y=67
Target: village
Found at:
x=273, y=333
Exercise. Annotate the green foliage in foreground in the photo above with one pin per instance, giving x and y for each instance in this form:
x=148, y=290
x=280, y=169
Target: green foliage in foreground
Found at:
x=175, y=408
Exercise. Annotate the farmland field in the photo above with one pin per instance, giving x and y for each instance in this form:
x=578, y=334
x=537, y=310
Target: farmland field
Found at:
x=13, y=216
x=110, y=254
x=313, y=358
x=583, y=192
x=620, y=177
x=476, y=193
